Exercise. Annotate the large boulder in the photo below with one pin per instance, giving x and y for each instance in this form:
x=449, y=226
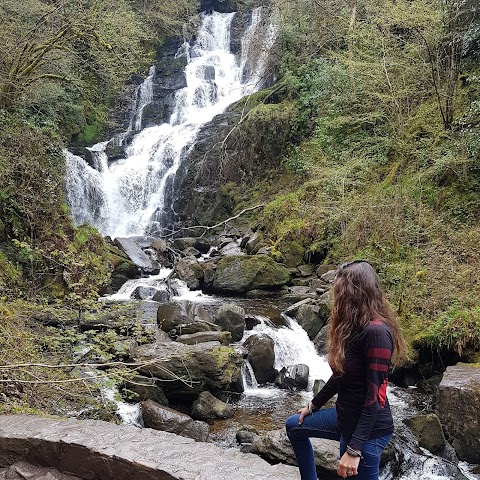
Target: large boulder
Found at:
x=239, y=274
x=293, y=377
x=207, y=407
x=132, y=249
x=275, y=446
x=188, y=270
x=231, y=318
x=428, y=431
x=146, y=388
x=165, y=419
x=312, y=318
x=261, y=355
x=458, y=404
x=185, y=316
x=190, y=369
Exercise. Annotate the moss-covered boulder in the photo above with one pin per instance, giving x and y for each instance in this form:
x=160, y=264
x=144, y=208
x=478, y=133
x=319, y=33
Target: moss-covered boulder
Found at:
x=239, y=274
x=190, y=369
x=428, y=431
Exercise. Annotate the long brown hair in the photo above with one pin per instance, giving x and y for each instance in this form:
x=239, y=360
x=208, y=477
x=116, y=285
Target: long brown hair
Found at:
x=358, y=299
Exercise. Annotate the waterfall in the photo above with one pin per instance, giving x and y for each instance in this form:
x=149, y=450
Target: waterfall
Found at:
x=292, y=346
x=127, y=197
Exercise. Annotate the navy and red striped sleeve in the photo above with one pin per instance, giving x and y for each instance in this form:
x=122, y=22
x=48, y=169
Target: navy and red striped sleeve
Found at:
x=377, y=348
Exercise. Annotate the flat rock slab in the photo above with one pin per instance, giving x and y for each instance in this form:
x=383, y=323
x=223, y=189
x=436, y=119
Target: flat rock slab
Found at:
x=134, y=252
x=96, y=450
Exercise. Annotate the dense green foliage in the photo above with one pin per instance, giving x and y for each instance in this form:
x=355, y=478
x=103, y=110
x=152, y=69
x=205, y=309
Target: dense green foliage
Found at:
x=382, y=130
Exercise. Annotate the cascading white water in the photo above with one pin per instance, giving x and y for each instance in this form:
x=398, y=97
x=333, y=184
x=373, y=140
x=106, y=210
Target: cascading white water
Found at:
x=126, y=197
x=292, y=347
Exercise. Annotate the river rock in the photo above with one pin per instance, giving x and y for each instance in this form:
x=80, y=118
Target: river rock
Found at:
x=306, y=270
x=161, y=295
x=170, y=315
x=320, y=341
x=190, y=369
x=131, y=248
x=195, y=327
x=144, y=293
x=184, y=243
x=97, y=450
x=231, y=249
x=146, y=388
x=231, y=318
x=291, y=311
x=192, y=252
x=188, y=270
x=261, y=355
x=207, y=407
x=293, y=377
x=239, y=274
x=428, y=431
x=318, y=384
x=458, y=406
x=275, y=446
x=224, y=338
x=254, y=243
x=202, y=245
x=312, y=318
x=329, y=276
x=165, y=419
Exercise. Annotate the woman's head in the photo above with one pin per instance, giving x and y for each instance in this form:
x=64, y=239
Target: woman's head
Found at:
x=358, y=299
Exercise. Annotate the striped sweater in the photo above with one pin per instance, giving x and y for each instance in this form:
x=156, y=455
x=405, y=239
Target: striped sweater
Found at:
x=362, y=406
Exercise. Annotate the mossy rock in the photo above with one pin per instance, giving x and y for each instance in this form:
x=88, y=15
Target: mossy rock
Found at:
x=239, y=274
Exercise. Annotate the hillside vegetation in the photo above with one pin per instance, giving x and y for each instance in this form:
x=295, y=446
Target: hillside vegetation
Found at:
x=376, y=114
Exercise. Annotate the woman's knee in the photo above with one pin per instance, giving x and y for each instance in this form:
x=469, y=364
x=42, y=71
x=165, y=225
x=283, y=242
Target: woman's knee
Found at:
x=291, y=423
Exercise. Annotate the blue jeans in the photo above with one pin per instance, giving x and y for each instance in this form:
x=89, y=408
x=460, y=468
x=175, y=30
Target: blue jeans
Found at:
x=324, y=424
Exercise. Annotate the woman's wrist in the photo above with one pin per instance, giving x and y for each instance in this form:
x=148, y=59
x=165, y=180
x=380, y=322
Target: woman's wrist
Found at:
x=353, y=452
x=311, y=407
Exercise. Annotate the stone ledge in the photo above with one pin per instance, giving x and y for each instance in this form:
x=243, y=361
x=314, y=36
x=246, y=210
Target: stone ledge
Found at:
x=96, y=450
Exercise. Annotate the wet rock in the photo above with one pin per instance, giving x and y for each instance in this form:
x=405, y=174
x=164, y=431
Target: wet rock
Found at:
x=275, y=446
x=317, y=386
x=246, y=435
x=329, y=276
x=254, y=242
x=190, y=369
x=170, y=315
x=184, y=243
x=207, y=407
x=317, y=284
x=291, y=311
x=312, y=318
x=241, y=274
x=262, y=293
x=224, y=338
x=192, y=252
x=458, y=404
x=202, y=245
x=161, y=296
x=159, y=245
x=428, y=431
x=322, y=269
x=198, y=326
x=430, y=385
x=251, y=322
x=231, y=318
x=261, y=355
x=97, y=450
x=188, y=270
x=146, y=388
x=131, y=248
x=320, y=341
x=293, y=377
x=306, y=270
x=144, y=293
x=231, y=249
x=165, y=419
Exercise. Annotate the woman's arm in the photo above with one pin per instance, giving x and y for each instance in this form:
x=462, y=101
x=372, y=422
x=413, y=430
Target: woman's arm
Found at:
x=326, y=393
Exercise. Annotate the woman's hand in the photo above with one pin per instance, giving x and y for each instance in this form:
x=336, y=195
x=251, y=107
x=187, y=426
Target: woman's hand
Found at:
x=348, y=466
x=303, y=413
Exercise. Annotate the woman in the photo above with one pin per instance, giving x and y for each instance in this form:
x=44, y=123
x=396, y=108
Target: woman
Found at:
x=364, y=339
